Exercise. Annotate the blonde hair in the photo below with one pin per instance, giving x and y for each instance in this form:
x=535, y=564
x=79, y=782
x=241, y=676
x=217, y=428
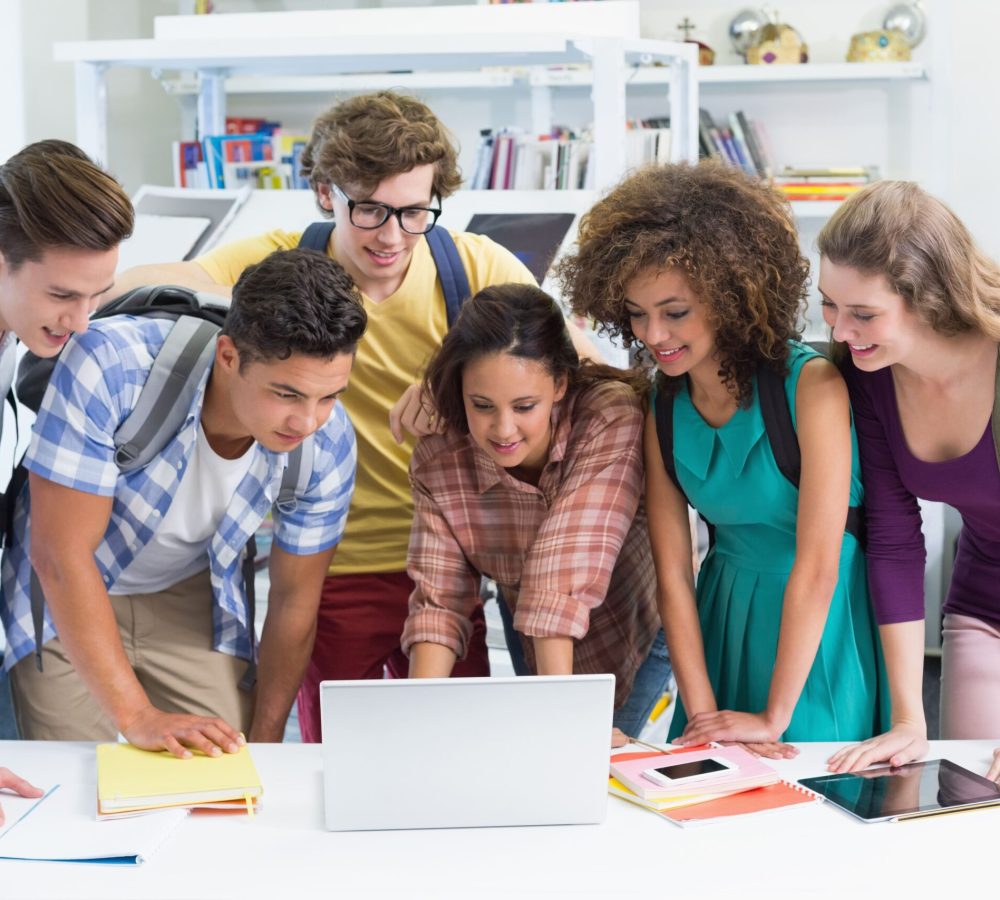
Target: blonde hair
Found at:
x=898, y=230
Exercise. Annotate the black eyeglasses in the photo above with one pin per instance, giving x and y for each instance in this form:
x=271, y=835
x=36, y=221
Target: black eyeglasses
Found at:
x=370, y=214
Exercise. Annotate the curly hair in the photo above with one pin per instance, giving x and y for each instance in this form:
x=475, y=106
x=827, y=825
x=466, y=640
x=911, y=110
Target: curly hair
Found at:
x=522, y=321
x=53, y=195
x=365, y=139
x=295, y=302
x=925, y=253
x=732, y=236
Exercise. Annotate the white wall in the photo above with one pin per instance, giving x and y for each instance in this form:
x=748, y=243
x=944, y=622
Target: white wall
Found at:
x=12, y=136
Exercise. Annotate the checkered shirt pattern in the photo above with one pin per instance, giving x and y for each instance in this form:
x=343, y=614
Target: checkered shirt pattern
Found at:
x=571, y=556
x=93, y=388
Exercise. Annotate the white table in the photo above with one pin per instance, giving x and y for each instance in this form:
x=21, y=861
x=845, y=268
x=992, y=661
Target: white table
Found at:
x=285, y=852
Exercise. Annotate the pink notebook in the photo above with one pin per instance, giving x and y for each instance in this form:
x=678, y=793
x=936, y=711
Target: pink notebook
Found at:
x=751, y=772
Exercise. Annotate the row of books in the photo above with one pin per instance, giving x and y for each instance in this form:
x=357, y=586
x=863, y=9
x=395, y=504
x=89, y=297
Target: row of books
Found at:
x=739, y=142
x=823, y=183
x=260, y=159
x=508, y=159
x=743, y=784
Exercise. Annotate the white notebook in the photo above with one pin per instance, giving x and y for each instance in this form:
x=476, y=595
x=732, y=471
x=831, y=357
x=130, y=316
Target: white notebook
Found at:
x=62, y=827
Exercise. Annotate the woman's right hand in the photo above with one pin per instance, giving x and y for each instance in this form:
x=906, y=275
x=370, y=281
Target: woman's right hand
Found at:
x=901, y=744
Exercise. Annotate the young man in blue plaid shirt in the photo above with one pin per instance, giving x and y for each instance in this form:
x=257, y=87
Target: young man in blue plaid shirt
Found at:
x=149, y=632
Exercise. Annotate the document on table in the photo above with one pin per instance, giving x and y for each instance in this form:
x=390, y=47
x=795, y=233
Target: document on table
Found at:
x=62, y=827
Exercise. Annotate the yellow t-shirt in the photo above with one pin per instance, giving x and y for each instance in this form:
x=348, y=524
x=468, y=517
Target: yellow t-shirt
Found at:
x=403, y=332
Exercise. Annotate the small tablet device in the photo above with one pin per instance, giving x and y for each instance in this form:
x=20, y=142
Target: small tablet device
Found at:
x=888, y=793
x=694, y=770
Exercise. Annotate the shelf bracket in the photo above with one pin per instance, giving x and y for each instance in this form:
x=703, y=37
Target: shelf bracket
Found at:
x=211, y=102
x=608, y=96
x=92, y=110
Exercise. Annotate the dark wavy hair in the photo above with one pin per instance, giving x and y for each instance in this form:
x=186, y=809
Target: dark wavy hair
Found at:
x=519, y=319
x=53, y=195
x=732, y=236
x=295, y=301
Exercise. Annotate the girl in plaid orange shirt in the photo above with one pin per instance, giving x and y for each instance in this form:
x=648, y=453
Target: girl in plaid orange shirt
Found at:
x=537, y=483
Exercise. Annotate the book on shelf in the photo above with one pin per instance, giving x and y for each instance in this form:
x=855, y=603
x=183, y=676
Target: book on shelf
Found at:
x=262, y=159
x=738, y=141
x=748, y=772
x=131, y=781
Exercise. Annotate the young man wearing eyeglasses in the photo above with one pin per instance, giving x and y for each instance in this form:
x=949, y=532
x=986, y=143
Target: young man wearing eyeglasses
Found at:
x=380, y=165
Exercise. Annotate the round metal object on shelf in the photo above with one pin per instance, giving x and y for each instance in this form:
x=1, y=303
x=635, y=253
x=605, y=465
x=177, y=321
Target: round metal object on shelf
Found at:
x=744, y=27
x=909, y=20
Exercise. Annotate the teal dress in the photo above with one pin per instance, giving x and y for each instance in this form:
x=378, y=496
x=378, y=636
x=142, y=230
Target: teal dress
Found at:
x=730, y=476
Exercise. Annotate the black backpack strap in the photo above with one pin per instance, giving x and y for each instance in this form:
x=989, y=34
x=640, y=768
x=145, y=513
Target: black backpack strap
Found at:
x=249, y=678
x=663, y=410
x=784, y=441
x=451, y=272
x=778, y=423
x=317, y=236
x=8, y=498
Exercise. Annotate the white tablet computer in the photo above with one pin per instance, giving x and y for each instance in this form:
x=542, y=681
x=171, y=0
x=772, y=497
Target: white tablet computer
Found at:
x=888, y=793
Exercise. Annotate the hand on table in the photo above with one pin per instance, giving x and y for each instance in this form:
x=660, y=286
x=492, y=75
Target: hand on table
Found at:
x=900, y=745
x=753, y=731
x=153, y=729
x=414, y=413
x=11, y=782
x=994, y=772
x=619, y=738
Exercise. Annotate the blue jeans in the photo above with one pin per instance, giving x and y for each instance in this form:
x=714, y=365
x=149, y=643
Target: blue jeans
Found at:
x=651, y=679
x=650, y=683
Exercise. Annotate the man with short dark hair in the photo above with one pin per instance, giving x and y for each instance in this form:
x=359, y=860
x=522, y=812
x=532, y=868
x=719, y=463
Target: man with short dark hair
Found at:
x=61, y=220
x=150, y=634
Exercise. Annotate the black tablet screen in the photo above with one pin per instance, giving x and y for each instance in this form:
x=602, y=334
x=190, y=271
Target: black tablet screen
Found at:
x=888, y=792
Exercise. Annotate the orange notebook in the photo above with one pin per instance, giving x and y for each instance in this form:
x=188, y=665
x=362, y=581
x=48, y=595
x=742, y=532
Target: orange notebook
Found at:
x=781, y=795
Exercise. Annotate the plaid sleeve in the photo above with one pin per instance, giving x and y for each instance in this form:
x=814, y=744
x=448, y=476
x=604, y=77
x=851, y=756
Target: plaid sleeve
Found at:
x=446, y=587
x=568, y=569
x=317, y=522
x=72, y=441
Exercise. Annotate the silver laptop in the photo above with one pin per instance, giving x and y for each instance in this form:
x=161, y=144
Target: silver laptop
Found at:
x=466, y=752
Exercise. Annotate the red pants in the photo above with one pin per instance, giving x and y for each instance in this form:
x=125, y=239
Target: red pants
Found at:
x=357, y=636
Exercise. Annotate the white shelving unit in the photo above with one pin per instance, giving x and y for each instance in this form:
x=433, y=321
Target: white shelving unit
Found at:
x=222, y=58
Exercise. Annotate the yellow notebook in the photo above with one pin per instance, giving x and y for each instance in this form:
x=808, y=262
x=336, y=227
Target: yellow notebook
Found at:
x=130, y=780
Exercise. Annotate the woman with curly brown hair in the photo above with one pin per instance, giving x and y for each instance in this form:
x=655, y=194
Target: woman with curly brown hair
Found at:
x=700, y=266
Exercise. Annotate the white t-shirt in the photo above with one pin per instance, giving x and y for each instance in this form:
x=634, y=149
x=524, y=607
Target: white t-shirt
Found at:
x=179, y=547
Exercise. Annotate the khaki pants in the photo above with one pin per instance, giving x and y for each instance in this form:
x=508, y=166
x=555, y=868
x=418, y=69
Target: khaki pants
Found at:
x=168, y=640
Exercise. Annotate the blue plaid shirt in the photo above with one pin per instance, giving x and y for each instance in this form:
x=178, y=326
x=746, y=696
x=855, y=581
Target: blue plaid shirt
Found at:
x=93, y=388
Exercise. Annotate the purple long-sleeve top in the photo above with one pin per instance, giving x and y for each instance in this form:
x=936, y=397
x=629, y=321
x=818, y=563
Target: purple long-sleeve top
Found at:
x=894, y=478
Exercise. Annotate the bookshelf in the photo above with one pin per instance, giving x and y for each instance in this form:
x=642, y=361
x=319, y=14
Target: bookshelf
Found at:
x=463, y=47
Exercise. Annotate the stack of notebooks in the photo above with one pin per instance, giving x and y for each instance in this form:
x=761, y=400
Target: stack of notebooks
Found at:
x=748, y=786
x=132, y=781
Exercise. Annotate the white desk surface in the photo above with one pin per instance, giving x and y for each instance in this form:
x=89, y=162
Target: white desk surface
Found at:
x=285, y=852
